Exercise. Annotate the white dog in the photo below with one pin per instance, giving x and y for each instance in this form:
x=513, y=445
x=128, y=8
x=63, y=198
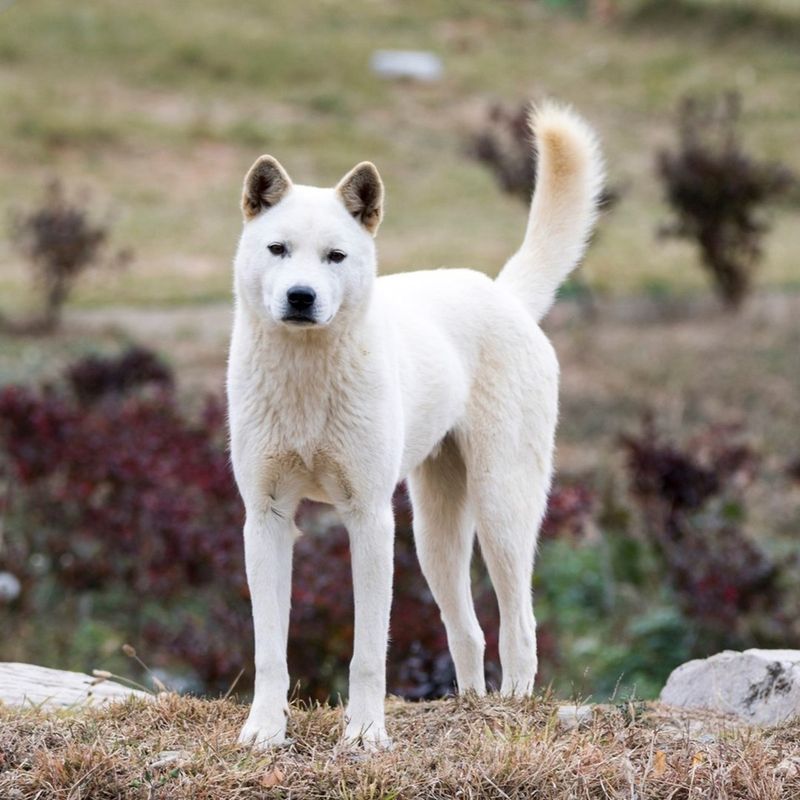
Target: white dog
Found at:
x=341, y=385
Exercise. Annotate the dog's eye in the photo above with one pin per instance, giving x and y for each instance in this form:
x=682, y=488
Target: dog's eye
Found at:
x=337, y=256
x=277, y=249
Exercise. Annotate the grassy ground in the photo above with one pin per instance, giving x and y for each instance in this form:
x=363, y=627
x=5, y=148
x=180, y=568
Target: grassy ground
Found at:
x=459, y=748
x=157, y=114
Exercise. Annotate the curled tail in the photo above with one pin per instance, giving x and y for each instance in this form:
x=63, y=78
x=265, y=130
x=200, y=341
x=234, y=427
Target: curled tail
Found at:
x=569, y=180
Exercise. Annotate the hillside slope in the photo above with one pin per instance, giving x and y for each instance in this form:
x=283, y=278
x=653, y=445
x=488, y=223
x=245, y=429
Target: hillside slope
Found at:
x=159, y=114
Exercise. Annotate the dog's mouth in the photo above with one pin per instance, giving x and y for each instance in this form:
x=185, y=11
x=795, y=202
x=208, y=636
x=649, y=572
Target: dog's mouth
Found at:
x=302, y=319
x=298, y=319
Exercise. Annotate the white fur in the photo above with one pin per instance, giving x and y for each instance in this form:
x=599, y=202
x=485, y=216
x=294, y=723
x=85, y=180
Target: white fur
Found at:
x=442, y=378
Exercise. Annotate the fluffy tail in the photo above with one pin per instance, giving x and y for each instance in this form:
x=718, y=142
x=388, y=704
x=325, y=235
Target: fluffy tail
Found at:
x=569, y=179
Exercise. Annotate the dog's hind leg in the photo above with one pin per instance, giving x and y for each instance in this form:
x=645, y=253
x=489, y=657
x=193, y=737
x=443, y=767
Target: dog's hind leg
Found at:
x=444, y=531
x=507, y=444
x=510, y=500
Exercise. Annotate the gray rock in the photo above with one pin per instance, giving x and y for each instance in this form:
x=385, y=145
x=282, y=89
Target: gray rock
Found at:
x=417, y=65
x=761, y=687
x=171, y=759
x=10, y=587
x=28, y=684
x=571, y=717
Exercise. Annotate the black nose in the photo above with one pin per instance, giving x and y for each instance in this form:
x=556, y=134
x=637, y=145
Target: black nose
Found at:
x=301, y=297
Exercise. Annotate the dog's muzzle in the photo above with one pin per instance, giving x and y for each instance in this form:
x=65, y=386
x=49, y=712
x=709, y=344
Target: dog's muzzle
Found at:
x=300, y=305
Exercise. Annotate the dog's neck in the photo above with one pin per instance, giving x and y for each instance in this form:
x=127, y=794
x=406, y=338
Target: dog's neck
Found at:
x=293, y=376
x=302, y=353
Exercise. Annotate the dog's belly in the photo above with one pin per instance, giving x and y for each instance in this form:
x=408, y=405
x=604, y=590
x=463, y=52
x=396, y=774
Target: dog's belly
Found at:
x=435, y=389
x=431, y=415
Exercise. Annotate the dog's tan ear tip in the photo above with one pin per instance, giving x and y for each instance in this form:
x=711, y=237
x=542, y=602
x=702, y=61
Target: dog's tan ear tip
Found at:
x=267, y=159
x=361, y=191
x=366, y=165
x=265, y=184
x=368, y=170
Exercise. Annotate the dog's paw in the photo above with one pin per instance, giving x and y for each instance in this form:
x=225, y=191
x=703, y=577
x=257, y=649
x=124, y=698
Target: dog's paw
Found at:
x=263, y=732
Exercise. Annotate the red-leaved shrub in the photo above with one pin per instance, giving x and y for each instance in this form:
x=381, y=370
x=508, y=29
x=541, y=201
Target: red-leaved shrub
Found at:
x=690, y=499
x=118, y=493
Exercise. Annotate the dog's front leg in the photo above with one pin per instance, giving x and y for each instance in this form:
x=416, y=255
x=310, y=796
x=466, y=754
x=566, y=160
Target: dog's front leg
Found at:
x=372, y=548
x=268, y=541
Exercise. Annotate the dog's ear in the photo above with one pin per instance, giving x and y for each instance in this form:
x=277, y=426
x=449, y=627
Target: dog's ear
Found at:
x=264, y=185
x=361, y=191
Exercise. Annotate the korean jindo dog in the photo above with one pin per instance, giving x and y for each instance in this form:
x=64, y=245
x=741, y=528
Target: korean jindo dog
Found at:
x=342, y=384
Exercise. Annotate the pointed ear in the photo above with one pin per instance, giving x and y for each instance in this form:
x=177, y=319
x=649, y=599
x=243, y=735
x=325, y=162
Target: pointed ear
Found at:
x=264, y=185
x=361, y=191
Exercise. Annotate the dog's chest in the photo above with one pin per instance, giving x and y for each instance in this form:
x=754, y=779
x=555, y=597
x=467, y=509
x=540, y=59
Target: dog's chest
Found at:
x=299, y=435
x=327, y=478
x=319, y=474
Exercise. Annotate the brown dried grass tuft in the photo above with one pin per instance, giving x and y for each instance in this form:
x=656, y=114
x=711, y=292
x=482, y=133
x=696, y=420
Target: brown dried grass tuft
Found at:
x=180, y=747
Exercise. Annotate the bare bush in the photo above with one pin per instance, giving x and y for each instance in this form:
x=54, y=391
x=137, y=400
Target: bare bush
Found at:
x=717, y=192
x=60, y=242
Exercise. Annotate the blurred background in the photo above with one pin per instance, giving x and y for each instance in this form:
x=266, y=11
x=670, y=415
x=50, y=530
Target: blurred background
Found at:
x=125, y=132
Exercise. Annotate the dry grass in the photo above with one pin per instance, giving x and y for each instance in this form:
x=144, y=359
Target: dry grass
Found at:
x=178, y=747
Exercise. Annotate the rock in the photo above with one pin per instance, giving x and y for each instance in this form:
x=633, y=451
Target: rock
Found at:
x=760, y=686
x=30, y=685
x=415, y=64
x=570, y=717
x=10, y=587
x=789, y=768
x=171, y=759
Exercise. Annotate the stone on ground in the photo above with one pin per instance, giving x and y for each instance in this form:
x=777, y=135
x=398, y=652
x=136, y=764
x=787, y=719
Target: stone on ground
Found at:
x=30, y=685
x=760, y=686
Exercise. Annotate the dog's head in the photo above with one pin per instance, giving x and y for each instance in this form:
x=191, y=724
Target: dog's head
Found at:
x=307, y=256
